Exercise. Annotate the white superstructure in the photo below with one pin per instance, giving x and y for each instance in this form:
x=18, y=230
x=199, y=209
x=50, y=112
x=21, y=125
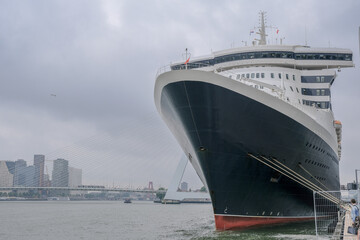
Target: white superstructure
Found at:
x=299, y=75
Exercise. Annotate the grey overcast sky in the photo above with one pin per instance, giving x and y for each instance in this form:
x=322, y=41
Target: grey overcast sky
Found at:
x=77, y=77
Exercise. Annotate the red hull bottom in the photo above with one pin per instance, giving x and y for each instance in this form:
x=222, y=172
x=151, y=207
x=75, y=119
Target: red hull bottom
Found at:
x=239, y=222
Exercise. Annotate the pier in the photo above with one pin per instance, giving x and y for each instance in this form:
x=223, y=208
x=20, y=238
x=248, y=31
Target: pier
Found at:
x=348, y=222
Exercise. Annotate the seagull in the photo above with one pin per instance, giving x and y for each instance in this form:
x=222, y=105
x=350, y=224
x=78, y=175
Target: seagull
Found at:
x=53, y=95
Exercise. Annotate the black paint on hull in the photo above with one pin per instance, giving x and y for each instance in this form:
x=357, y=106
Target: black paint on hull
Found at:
x=223, y=126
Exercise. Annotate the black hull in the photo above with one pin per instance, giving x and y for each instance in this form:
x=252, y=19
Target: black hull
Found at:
x=224, y=127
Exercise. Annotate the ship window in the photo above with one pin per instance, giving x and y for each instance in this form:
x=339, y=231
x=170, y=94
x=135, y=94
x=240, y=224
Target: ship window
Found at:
x=297, y=90
x=238, y=76
x=243, y=75
x=288, y=99
x=316, y=79
x=257, y=75
x=287, y=76
x=272, y=75
x=252, y=75
x=256, y=86
x=299, y=101
x=261, y=87
x=294, y=77
x=262, y=75
x=280, y=75
x=230, y=77
x=247, y=75
x=291, y=88
x=316, y=92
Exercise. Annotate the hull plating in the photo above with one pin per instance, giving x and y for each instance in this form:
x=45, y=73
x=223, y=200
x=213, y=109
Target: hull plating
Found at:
x=222, y=127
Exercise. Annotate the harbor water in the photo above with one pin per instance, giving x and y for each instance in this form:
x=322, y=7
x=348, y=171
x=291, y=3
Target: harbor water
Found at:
x=115, y=220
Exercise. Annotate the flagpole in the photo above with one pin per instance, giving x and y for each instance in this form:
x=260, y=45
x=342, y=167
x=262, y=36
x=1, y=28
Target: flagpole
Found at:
x=186, y=58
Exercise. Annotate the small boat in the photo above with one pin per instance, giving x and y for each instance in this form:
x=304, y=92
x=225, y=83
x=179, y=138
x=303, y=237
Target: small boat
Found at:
x=58, y=199
x=127, y=200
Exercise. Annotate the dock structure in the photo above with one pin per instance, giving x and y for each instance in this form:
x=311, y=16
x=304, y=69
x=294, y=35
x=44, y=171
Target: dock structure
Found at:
x=340, y=232
x=348, y=222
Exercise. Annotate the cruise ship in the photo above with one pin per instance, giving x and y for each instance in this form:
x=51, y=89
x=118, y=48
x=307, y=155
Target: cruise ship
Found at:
x=256, y=123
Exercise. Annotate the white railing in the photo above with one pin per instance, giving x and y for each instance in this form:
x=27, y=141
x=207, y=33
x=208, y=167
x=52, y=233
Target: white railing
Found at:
x=163, y=69
x=189, y=66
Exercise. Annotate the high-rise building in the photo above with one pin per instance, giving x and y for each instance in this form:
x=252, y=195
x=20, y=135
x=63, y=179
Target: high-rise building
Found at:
x=30, y=180
x=7, y=170
x=75, y=177
x=39, y=163
x=184, y=187
x=60, y=173
x=351, y=186
x=19, y=174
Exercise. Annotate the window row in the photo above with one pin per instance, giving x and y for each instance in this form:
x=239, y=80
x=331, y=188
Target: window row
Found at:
x=265, y=54
x=317, y=79
x=335, y=159
x=314, y=147
x=322, y=105
x=323, y=56
x=262, y=75
x=320, y=178
x=316, y=92
x=316, y=163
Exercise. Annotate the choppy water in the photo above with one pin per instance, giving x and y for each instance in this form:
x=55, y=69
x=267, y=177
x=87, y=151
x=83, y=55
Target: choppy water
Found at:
x=115, y=220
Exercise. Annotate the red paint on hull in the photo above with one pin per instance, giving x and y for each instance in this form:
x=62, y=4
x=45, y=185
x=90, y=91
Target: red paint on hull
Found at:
x=238, y=222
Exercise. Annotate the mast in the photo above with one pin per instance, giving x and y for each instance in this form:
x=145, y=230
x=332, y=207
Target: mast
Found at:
x=262, y=32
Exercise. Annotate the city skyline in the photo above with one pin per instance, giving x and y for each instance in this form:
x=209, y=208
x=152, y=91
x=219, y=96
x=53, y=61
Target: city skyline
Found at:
x=19, y=174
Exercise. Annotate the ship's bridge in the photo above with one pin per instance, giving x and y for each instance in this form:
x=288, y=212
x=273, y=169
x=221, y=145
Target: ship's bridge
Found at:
x=298, y=57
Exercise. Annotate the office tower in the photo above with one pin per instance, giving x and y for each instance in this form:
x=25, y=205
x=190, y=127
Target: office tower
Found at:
x=6, y=173
x=19, y=174
x=184, y=186
x=60, y=174
x=30, y=180
x=75, y=177
x=39, y=163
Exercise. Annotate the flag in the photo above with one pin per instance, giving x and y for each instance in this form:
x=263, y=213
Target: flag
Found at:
x=187, y=60
x=277, y=31
x=251, y=31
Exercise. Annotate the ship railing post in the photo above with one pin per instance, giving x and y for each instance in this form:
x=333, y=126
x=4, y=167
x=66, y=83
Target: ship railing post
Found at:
x=314, y=196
